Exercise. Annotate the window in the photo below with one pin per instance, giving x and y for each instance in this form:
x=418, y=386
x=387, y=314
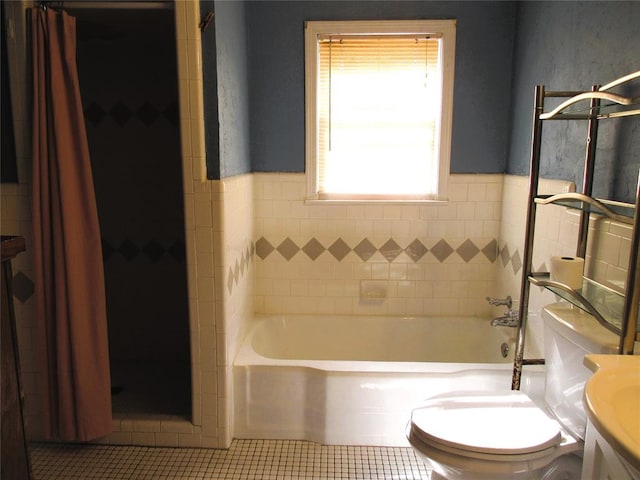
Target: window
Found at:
x=379, y=98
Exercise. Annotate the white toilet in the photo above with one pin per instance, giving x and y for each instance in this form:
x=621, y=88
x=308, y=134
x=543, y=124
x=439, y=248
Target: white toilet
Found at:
x=505, y=435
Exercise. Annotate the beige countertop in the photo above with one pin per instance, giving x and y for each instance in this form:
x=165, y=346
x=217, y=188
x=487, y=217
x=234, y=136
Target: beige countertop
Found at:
x=612, y=401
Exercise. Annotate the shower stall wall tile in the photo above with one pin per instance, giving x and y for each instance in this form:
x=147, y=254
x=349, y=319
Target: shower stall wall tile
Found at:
x=120, y=438
x=190, y=440
x=146, y=425
x=126, y=425
x=176, y=426
x=166, y=439
x=143, y=439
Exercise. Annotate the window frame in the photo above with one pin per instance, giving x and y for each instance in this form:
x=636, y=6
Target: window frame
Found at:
x=446, y=30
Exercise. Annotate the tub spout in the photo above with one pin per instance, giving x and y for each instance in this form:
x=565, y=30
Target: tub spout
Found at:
x=509, y=319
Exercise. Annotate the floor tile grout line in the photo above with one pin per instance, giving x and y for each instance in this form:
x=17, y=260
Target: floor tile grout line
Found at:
x=251, y=459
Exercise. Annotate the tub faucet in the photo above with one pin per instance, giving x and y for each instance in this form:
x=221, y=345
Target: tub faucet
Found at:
x=510, y=317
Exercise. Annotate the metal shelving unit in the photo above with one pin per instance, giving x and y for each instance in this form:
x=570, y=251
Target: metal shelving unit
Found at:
x=615, y=311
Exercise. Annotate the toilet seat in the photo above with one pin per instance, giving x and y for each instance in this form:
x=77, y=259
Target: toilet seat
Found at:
x=505, y=426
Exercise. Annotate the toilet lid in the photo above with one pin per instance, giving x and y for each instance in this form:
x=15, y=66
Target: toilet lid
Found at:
x=503, y=423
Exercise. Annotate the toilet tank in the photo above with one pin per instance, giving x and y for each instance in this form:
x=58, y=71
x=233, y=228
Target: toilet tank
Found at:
x=569, y=335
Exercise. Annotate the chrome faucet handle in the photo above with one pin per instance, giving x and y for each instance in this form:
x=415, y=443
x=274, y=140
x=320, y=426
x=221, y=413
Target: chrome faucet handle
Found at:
x=501, y=301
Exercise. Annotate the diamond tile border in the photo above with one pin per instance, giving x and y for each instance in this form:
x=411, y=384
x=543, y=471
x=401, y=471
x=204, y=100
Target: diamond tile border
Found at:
x=263, y=248
x=505, y=256
x=23, y=286
x=441, y=250
x=152, y=250
x=390, y=249
x=365, y=250
x=313, y=248
x=121, y=113
x=508, y=259
x=467, y=250
x=241, y=265
x=288, y=248
x=491, y=251
x=339, y=249
x=416, y=250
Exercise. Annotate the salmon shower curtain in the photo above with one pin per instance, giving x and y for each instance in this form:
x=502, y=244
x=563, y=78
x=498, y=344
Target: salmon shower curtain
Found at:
x=70, y=300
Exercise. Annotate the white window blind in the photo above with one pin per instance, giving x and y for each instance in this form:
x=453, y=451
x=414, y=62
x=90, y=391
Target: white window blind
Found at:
x=379, y=108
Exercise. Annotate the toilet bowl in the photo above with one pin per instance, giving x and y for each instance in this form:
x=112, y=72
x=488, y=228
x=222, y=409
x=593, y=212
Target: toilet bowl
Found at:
x=492, y=436
x=505, y=435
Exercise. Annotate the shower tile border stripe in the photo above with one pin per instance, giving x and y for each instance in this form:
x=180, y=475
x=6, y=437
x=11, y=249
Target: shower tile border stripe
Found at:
x=121, y=113
x=240, y=267
x=24, y=288
x=390, y=250
x=152, y=249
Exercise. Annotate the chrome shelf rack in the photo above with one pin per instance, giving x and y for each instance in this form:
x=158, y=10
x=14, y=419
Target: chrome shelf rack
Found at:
x=616, y=311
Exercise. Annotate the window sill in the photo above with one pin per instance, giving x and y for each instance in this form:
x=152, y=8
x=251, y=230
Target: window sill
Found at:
x=386, y=201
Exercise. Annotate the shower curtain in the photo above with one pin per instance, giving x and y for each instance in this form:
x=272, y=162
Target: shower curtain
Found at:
x=70, y=299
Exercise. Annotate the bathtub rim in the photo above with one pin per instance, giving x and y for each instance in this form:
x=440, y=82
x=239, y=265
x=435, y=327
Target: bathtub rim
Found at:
x=246, y=356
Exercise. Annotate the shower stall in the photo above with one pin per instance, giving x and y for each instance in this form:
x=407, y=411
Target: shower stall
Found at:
x=126, y=57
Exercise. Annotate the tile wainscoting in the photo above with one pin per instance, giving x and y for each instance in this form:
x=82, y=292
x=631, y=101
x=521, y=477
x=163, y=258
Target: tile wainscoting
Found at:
x=433, y=260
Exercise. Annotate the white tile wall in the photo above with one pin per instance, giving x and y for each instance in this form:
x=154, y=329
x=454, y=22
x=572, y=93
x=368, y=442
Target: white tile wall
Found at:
x=608, y=252
x=556, y=233
x=327, y=285
x=233, y=252
x=199, y=236
x=548, y=242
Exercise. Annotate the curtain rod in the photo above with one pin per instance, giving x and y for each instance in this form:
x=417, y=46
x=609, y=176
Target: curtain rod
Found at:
x=157, y=5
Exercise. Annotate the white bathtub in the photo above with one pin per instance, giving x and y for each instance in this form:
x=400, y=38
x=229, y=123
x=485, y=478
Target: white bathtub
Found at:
x=353, y=380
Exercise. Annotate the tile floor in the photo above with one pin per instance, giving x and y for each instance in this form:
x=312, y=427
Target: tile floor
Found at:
x=245, y=459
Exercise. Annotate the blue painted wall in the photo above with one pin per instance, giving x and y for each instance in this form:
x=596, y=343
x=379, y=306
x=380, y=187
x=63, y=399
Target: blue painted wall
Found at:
x=210, y=92
x=571, y=46
x=484, y=47
x=254, y=82
x=226, y=90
